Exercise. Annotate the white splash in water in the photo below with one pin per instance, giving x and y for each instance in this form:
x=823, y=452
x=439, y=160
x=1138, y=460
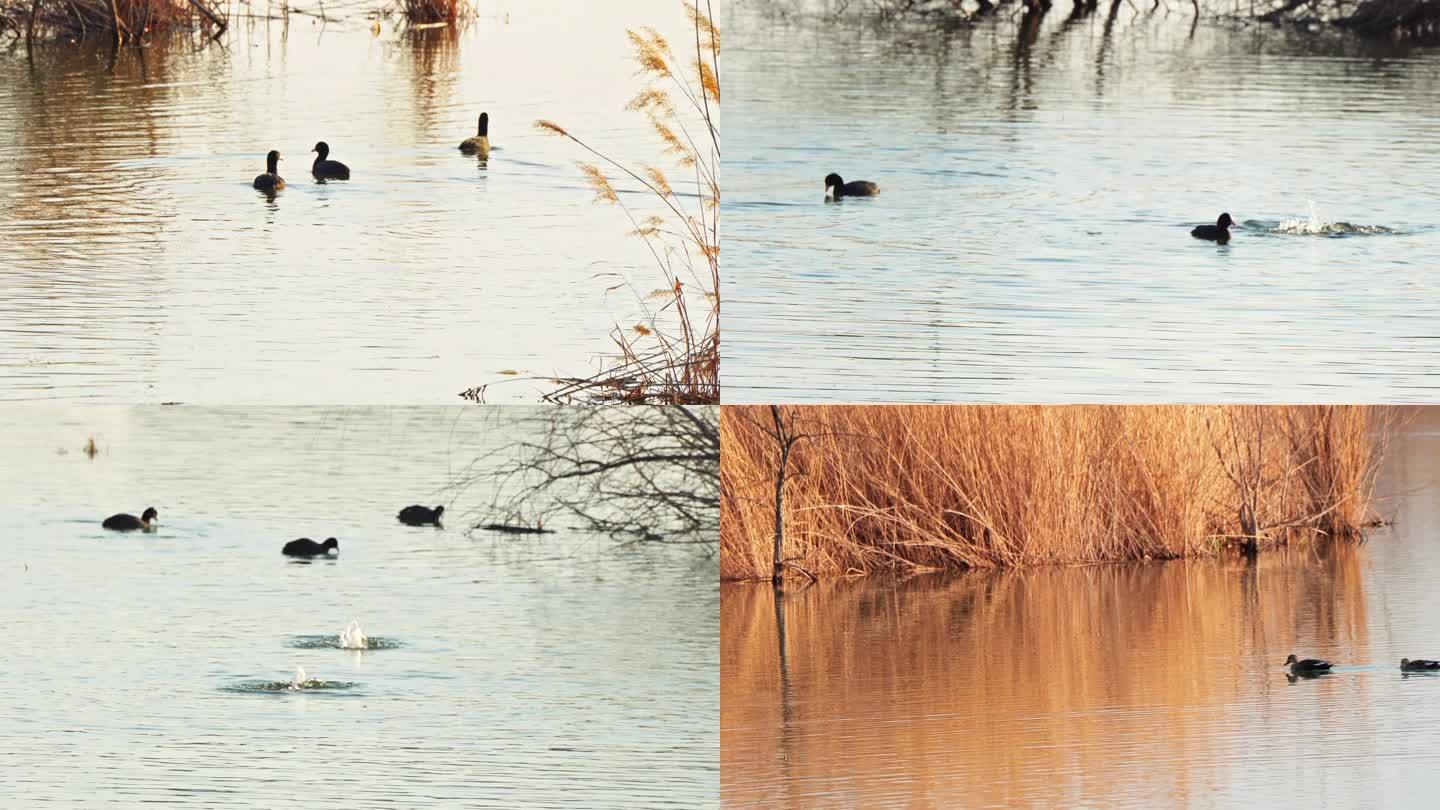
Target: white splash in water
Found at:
x=1314, y=226
x=298, y=681
x=1310, y=226
x=352, y=638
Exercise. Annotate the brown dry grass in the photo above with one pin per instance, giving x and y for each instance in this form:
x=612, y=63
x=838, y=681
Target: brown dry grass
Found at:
x=913, y=487
x=433, y=11
x=126, y=21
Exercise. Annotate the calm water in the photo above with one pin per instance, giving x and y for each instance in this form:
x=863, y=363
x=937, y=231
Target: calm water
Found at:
x=536, y=672
x=140, y=266
x=1031, y=241
x=1138, y=685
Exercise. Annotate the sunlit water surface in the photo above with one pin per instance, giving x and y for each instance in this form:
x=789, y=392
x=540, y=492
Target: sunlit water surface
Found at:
x=138, y=264
x=143, y=668
x=1031, y=239
x=1153, y=685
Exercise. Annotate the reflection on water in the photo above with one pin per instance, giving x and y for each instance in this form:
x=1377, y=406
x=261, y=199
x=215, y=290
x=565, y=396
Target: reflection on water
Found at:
x=140, y=265
x=1031, y=241
x=547, y=672
x=1138, y=685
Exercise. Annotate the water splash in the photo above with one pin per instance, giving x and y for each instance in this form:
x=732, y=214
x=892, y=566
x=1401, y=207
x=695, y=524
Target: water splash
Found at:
x=300, y=682
x=353, y=638
x=338, y=643
x=1314, y=226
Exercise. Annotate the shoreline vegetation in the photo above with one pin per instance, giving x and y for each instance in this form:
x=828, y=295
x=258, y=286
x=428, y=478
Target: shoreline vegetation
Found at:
x=126, y=22
x=1398, y=19
x=852, y=490
x=671, y=357
x=133, y=22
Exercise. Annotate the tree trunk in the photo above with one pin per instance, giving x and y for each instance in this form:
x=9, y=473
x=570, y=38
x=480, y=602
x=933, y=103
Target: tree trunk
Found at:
x=779, y=573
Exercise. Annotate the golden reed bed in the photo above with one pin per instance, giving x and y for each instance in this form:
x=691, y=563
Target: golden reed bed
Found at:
x=870, y=488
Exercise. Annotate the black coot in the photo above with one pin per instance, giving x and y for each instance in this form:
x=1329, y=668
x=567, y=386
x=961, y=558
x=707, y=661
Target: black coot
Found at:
x=129, y=523
x=479, y=144
x=325, y=169
x=1219, y=232
x=854, y=188
x=1306, y=664
x=305, y=547
x=420, y=516
x=270, y=180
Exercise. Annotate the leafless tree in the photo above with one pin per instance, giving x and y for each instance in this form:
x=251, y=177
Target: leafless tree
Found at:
x=634, y=474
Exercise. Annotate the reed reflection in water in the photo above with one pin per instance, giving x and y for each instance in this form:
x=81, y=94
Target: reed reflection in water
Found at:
x=1145, y=684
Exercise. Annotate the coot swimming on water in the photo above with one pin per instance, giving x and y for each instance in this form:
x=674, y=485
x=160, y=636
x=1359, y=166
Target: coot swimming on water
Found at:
x=1419, y=663
x=420, y=516
x=854, y=188
x=328, y=169
x=270, y=180
x=305, y=547
x=480, y=143
x=129, y=523
x=1306, y=664
x=1219, y=232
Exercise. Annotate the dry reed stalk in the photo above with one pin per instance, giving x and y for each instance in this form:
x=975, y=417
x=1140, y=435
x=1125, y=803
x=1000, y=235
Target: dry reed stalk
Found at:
x=673, y=355
x=427, y=12
x=126, y=21
x=920, y=487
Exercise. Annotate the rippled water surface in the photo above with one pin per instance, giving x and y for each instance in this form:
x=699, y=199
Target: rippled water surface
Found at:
x=139, y=265
x=1152, y=685
x=1031, y=240
x=144, y=668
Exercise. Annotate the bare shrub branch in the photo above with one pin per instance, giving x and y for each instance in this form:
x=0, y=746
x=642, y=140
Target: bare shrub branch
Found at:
x=633, y=474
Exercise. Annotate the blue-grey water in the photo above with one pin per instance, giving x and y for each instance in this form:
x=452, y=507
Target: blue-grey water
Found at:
x=1031, y=239
x=1139, y=685
x=138, y=264
x=556, y=671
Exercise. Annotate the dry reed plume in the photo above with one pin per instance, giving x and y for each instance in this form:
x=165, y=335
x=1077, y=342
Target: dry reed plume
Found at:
x=917, y=487
x=673, y=355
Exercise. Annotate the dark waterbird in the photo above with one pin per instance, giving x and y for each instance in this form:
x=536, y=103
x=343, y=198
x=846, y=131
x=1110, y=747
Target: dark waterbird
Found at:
x=129, y=523
x=270, y=180
x=1419, y=664
x=854, y=188
x=1306, y=664
x=479, y=144
x=305, y=547
x=1219, y=232
x=420, y=516
x=326, y=169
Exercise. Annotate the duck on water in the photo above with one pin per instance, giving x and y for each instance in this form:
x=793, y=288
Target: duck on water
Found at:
x=270, y=180
x=124, y=522
x=854, y=188
x=305, y=547
x=1219, y=232
x=1419, y=665
x=478, y=144
x=1306, y=664
x=420, y=516
x=326, y=169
